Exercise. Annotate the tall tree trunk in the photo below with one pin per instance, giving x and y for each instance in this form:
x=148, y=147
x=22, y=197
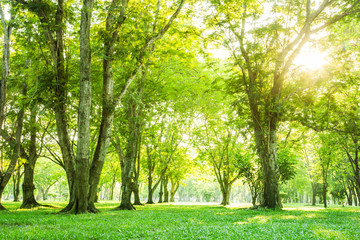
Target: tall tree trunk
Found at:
x=113, y=22
x=4, y=178
x=128, y=170
x=5, y=65
x=16, y=186
x=150, y=178
x=161, y=192
x=226, y=192
x=166, y=191
x=81, y=180
x=150, y=195
x=1, y=193
x=28, y=186
x=349, y=197
x=271, y=196
x=137, y=194
x=324, y=190
x=137, y=172
x=314, y=187
x=112, y=187
x=174, y=188
x=253, y=199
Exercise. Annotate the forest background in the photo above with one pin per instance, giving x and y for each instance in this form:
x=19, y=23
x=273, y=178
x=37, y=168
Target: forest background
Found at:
x=251, y=101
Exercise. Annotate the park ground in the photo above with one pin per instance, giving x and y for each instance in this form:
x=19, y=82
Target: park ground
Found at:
x=182, y=221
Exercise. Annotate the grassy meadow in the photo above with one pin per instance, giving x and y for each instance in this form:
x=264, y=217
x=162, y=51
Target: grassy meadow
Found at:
x=168, y=221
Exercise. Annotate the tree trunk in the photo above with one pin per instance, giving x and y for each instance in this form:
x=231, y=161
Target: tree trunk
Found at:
x=4, y=178
x=150, y=179
x=137, y=195
x=5, y=65
x=314, y=187
x=81, y=180
x=126, y=191
x=357, y=196
x=1, y=206
x=128, y=169
x=161, y=193
x=166, y=191
x=324, y=194
x=253, y=199
x=226, y=192
x=137, y=172
x=174, y=188
x=271, y=196
x=150, y=195
x=28, y=186
x=16, y=187
x=113, y=22
x=349, y=197
x=112, y=187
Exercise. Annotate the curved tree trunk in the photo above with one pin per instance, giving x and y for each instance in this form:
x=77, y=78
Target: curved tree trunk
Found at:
x=4, y=179
x=2, y=208
x=174, y=188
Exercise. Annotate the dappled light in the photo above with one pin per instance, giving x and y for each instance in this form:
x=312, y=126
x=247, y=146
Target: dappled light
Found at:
x=179, y=119
x=184, y=221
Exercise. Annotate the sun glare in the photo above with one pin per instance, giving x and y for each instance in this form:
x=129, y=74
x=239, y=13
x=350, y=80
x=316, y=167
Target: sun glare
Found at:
x=311, y=59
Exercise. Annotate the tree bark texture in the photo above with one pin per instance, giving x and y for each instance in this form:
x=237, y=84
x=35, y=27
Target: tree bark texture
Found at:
x=113, y=23
x=137, y=194
x=226, y=192
x=28, y=186
x=128, y=169
x=5, y=65
x=56, y=46
x=81, y=181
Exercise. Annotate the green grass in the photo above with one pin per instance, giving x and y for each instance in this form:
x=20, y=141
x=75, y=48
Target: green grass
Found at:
x=167, y=221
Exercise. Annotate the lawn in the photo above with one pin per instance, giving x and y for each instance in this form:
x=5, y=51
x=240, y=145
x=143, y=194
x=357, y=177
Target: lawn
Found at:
x=166, y=221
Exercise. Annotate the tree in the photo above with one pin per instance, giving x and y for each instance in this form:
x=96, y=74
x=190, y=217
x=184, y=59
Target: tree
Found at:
x=263, y=55
x=181, y=167
x=162, y=141
x=310, y=165
x=47, y=174
x=326, y=153
x=5, y=175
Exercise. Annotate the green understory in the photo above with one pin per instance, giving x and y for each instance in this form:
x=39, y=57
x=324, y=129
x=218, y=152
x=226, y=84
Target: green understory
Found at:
x=165, y=221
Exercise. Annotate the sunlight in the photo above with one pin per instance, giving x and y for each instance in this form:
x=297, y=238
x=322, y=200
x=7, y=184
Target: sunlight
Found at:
x=311, y=59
